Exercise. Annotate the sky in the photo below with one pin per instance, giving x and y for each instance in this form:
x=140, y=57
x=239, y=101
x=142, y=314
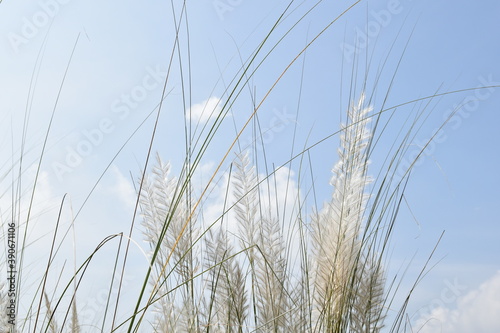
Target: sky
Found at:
x=102, y=66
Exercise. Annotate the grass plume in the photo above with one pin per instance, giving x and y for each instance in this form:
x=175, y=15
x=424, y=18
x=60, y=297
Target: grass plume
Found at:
x=265, y=261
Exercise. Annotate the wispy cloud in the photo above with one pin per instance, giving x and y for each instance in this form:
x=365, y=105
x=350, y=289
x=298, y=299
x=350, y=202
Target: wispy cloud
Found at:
x=204, y=111
x=476, y=311
x=123, y=188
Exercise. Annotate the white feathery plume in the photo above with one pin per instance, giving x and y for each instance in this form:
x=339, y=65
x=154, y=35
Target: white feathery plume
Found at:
x=247, y=215
x=336, y=247
x=228, y=303
x=273, y=300
x=368, y=313
x=247, y=206
x=158, y=208
x=268, y=261
x=52, y=323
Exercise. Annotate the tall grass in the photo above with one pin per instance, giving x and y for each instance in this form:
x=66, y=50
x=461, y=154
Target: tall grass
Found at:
x=254, y=269
x=266, y=262
x=248, y=275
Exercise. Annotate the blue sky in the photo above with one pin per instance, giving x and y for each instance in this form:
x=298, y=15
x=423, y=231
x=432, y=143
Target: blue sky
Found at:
x=124, y=48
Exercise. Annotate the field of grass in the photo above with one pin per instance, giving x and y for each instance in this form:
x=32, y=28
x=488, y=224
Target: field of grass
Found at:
x=220, y=225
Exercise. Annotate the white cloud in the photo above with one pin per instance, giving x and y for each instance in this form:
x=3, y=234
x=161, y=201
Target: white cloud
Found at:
x=477, y=311
x=204, y=111
x=108, y=211
x=123, y=188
